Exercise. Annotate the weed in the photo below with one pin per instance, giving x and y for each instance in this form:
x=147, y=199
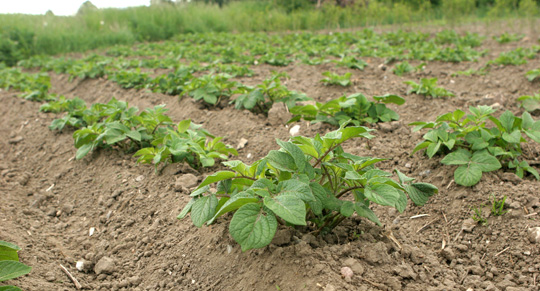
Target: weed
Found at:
x=497, y=206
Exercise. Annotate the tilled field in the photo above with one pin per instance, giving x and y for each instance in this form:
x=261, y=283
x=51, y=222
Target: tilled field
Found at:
x=120, y=215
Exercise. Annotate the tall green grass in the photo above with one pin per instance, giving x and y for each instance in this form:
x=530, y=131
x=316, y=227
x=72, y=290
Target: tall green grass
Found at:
x=24, y=35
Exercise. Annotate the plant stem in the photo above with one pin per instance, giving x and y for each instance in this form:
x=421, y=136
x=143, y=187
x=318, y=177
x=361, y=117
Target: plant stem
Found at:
x=319, y=160
x=326, y=223
x=345, y=191
x=337, y=222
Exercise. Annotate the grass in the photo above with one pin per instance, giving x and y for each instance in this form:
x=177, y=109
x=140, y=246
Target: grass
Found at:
x=24, y=35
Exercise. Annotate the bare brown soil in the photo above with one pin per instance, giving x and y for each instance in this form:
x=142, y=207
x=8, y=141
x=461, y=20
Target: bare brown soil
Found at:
x=49, y=202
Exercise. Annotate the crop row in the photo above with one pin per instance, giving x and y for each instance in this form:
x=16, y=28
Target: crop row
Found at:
x=308, y=182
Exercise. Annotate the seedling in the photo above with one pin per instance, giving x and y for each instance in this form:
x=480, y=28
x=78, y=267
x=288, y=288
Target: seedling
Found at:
x=497, y=206
x=478, y=216
x=335, y=79
x=304, y=183
x=467, y=141
x=428, y=87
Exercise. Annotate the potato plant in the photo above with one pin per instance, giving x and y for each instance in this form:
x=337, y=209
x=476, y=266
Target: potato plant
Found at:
x=354, y=109
x=261, y=98
x=466, y=140
x=150, y=133
x=533, y=75
x=428, y=87
x=530, y=103
x=10, y=267
x=309, y=182
x=335, y=79
x=210, y=88
x=34, y=87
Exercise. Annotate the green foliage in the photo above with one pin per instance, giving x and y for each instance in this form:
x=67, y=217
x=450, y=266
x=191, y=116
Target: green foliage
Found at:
x=10, y=267
x=354, y=109
x=532, y=74
x=530, y=102
x=210, y=88
x=26, y=35
x=497, y=206
x=189, y=143
x=515, y=57
x=428, y=87
x=478, y=216
x=470, y=72
x=172, y=83
x=261, y=98
x=91, y=68
x=404, y=68
x=335, y=79
x=467, y=141
x=352, y=63
x=151, y=133
x=34, y=87
x=130, y=79
x=508, y=37
x=307, y=182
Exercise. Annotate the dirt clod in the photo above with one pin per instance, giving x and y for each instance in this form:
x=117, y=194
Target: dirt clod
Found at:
x=105, y=265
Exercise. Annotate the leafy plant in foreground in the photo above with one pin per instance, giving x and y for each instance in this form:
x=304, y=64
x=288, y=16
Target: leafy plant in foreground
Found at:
x=428, y=87
x=10, y=267
x=467, y=142
x=262, y=97
x=307, y=182
x=532, y=74
x=354, y=109
x=530, y=102
x=335, y=79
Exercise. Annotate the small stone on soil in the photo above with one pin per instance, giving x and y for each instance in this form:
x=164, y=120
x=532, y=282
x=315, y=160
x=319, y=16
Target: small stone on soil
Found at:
x=278, y=114
x=16, y=140
x=242, y=143
x=347, y=273
x=468, y=225
x=105, y=266
x=534, y=234
x=187, y=181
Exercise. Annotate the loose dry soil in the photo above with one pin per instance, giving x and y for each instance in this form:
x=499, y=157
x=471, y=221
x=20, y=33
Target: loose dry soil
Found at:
x=49, y=202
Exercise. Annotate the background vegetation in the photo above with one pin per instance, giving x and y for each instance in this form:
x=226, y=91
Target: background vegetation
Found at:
x=22, y=36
